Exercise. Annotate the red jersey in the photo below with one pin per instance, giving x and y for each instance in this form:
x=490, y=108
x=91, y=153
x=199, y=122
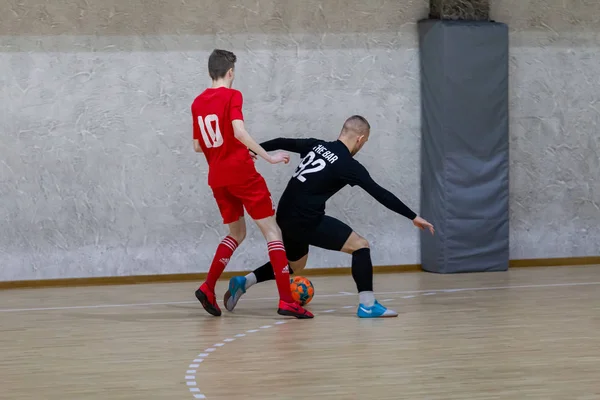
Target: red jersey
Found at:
x=229, y=162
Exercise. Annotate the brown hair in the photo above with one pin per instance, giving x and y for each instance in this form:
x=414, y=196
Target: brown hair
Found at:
x=219, y=62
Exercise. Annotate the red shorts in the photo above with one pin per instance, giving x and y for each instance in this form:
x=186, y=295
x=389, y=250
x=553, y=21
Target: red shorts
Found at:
x=253, y=195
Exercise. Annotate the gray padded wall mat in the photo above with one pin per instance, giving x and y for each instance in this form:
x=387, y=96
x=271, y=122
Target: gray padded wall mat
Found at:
x=464, y=145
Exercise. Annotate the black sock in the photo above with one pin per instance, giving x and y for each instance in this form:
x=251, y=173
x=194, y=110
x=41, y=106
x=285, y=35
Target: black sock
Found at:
x=362, y=270
x=265, y=273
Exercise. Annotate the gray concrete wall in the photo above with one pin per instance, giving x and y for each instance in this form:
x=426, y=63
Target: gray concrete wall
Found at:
x=98, y=176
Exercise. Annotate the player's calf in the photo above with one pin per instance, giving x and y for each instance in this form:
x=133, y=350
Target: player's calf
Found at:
x=206, y=292
x=362, y=272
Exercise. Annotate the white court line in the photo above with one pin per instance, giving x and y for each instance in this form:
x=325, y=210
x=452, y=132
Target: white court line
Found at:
x=194, y=389
x=491, y=288
x=95, y=306
x=6, y=310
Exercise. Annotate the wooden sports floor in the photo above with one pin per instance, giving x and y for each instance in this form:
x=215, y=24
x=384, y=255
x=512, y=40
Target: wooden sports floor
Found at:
x=531, y=333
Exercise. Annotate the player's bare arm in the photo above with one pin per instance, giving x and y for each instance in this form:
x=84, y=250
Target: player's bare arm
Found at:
x=240, y=133
x=197, y=147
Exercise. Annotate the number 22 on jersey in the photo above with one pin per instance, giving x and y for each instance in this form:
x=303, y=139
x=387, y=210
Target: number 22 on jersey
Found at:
x=206, y=128
x=309, y=160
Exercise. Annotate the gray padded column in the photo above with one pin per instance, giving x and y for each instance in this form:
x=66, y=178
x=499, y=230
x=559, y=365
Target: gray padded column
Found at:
x=464, y=147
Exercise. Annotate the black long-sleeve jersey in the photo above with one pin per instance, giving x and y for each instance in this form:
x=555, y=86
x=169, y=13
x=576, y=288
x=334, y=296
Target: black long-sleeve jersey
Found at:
x=326, y=167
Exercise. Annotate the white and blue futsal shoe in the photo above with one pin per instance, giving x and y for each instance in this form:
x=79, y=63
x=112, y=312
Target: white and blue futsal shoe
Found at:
x=375, y=311
x=237, y=287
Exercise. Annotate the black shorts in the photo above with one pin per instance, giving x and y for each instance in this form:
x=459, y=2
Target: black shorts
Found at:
x=329, y=234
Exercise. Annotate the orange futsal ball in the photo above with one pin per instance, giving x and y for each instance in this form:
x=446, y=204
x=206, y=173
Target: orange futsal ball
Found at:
x=302, y=290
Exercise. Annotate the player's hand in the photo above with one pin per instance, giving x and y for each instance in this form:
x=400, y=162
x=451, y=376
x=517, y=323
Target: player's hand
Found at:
x=422, y=224
x=280, y=157
x=253, y=155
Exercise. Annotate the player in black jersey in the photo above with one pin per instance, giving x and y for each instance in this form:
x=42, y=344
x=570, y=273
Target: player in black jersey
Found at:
x=326, y=167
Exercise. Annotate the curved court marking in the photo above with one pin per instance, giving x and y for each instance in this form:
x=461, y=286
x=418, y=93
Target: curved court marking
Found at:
x=192, y=372
x=416, y=292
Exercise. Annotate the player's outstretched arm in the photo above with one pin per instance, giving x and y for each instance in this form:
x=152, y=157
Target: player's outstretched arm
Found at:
x=386, y=198
x=293, y=145
x=358, y=175
x=243, y=136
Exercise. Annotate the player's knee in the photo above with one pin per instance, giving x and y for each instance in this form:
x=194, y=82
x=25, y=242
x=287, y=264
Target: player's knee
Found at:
x=355, y=242
x=237, y=230
x=361, y=243
x=272, y=232
x=273, y=235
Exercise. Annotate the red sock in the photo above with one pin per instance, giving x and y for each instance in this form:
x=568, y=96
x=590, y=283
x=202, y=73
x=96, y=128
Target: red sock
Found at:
x=224, y=252
x=281, y=269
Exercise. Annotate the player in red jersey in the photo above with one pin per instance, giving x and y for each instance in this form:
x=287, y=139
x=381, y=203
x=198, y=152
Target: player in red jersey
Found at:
x=220, y=134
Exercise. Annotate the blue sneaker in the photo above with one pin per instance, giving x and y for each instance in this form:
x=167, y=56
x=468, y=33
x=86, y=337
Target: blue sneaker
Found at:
x=237, y=287
x=376, y=311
